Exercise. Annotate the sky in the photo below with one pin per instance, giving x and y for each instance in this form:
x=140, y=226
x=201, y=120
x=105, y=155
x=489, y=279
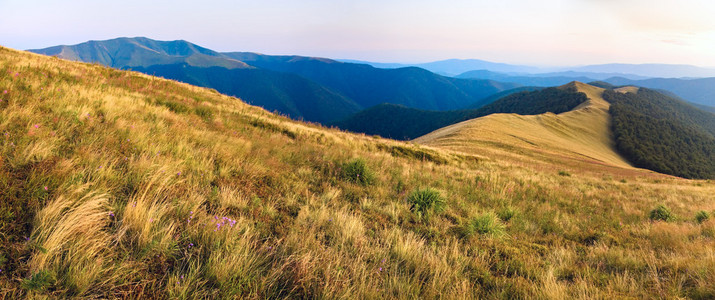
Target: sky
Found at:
x=540, y=33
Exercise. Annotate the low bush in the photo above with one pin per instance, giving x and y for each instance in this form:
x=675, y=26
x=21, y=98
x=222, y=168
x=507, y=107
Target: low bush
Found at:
x=661, y=213
x=702, y=216
x=357, y=171
x=424, y=201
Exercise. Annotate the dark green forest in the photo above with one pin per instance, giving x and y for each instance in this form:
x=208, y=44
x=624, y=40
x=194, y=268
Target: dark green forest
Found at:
x=661, y=133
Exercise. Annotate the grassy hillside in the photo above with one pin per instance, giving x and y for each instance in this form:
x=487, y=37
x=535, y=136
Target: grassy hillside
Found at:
x=662, y=133
x=404, y=123
x=581, y=135
x=114, y=184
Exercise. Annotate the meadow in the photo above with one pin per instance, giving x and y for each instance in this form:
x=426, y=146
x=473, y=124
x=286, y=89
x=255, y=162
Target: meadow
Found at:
x=115, y=184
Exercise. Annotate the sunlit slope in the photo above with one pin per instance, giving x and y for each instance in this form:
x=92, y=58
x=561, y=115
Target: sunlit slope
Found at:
x=119, y=185
x=581, y=134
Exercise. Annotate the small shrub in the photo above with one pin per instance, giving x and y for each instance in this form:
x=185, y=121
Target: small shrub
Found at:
x=357, y=171
x=38, y=281
x=423, y=201
x=487, y=224
x=564, y=173
x=702, y=216
x=661, y=213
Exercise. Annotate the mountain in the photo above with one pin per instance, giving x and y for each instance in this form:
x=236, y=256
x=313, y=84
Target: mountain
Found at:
x=404, y=123
x=531, y=80
x=650, y=70
x=369, y=86
x=453, y=67
x=289, y=94
x=116, y=184
x=309, y=88
x=544, y=79
x=662, y=133
x=124, y=53
x=700, y=91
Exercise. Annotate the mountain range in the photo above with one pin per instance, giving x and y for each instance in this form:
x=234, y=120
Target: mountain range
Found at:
x=455, y=67
x=314, y=89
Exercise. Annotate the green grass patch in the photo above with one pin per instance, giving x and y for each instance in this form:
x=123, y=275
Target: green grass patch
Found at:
x=702, y=216
x=357, y=171
x=487, y=224
x=661, y=213
x=425, y=201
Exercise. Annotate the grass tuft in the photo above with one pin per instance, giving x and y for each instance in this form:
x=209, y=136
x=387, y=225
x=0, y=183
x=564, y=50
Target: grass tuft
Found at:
x=661, y=213
x=425, y=201
x=702, y=216
x=357, y=171
x=487, y=224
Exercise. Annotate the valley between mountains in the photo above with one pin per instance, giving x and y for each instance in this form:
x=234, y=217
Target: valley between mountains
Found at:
x=118, y=184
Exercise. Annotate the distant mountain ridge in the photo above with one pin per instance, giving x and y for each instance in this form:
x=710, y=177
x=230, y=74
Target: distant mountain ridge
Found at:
x=696, y=90
x=455, y=67
x=315, y=89
x=369, y=86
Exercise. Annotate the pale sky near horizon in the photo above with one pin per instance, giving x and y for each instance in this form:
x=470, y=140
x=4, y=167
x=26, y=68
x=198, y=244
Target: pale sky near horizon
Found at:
x=542, y=33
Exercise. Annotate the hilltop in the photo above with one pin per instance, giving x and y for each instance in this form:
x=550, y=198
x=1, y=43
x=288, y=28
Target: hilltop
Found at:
x=582, y=134
x=115, y=184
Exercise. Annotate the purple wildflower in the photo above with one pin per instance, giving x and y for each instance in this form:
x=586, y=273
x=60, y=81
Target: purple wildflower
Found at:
x=111, y=214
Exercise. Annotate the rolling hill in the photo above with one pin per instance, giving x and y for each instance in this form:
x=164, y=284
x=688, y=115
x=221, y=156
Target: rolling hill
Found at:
x=624, y=126
x=313, y=89
x=404, y=123
x=581, y=133
x=115, y=184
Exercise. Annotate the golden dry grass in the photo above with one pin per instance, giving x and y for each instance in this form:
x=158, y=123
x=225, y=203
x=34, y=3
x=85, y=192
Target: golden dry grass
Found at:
x=115, y=184
x=582, y=134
